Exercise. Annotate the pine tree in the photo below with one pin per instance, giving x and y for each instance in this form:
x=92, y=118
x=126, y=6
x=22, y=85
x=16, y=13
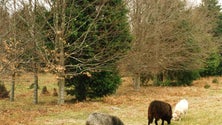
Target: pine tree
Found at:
x=86, y=36
x=102, y=30
x=213, y=62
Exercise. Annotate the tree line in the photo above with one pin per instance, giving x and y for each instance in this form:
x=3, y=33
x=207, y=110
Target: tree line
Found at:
x=86, y=40
x=173, y=43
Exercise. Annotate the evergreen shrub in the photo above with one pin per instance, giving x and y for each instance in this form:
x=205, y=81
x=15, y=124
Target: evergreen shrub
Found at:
x=99, y=84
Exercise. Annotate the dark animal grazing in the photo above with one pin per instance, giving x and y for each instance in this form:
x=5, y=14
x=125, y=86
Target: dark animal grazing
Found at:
x=159, y=110
x=103, y=119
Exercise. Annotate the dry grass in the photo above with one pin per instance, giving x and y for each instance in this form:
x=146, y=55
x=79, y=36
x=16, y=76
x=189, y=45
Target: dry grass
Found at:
x=131, y=106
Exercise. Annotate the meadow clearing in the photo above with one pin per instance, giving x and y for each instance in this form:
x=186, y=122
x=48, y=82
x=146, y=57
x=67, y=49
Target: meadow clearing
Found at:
x=205, y=104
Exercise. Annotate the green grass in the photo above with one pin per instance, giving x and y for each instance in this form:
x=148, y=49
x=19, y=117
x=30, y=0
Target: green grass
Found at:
x=130, y=106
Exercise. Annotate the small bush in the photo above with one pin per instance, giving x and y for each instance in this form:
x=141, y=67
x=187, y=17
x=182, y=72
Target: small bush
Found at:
x=45, y=91
x=55, y=93
x=3, y=91
x=187, y=77
x=215, y=81
x=206, y=86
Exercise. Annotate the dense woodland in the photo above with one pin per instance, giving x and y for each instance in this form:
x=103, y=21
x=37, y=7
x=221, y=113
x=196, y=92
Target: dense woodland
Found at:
x=88, y=43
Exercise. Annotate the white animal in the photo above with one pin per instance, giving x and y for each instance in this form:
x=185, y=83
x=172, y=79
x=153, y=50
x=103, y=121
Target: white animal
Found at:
x=180, y=109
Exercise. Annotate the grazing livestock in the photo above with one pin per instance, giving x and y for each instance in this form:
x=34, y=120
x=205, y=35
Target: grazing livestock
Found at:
x=180, y=109
x=103, y=119
x=159, y=110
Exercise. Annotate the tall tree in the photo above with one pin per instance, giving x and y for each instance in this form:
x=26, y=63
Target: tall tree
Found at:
x=213, y=10
x=60, y=39
x=23, y=38
x=30, y=24
x=11, y=48
x=87, y=35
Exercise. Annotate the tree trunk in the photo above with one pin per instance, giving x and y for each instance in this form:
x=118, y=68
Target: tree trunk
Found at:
x=60, y=28
x=14, y=40
x=36, y=86
x=137, y=82
x=12, y=88
x=61, y=80
x=61, y=83
x=164, y=76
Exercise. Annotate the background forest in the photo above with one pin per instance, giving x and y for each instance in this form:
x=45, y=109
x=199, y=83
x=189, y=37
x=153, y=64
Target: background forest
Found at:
x=90, y=44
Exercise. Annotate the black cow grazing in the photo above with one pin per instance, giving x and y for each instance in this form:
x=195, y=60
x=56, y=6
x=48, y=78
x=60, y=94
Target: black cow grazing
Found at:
x=103, y=119
x=159, y=110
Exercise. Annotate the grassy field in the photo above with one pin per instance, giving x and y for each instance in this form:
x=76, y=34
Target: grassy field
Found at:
x=205, y=105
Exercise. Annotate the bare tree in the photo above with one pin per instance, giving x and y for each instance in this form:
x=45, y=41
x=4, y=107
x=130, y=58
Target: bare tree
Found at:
x=34, y=56
x=168, y=36
x=59, y=42
x=30, y=27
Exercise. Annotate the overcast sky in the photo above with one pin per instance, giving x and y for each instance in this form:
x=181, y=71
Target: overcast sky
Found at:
x=199, y=1
x=190, y=3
